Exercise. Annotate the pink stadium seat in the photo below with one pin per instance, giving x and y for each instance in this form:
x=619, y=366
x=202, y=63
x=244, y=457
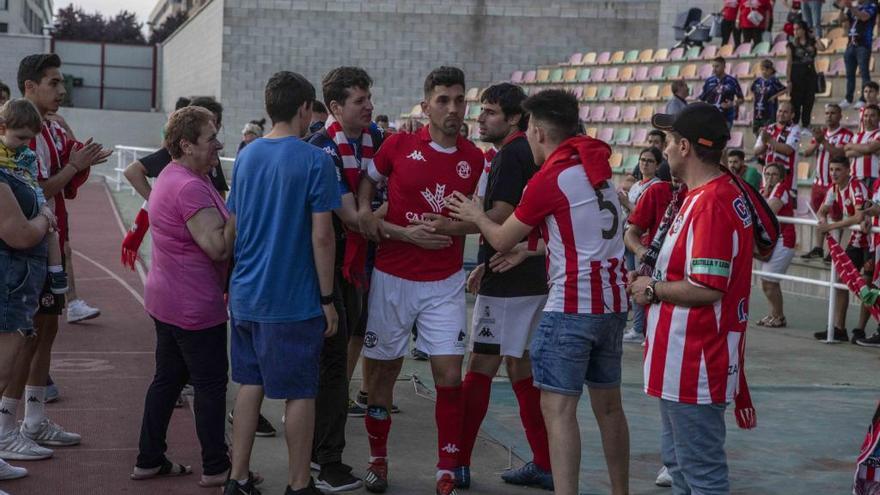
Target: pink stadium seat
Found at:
x=676, y=54
x=640, y=136
x=613, y=114
x=641, y=73
x=578, y=92
x=530, y=77
x=744, y=116
x=838, y=68
x=603, y=58
x=709, y=52
x=656, y=73
x=598, y=75
x=612, y=74
x=736, y=139
x=705, y=71
x=778, y=49
x=780, y=37
x=516, y=77
x=597, y=113
x=575, y=58
x=630, y=113
x=619, y=93
x=605, y=134
x=876, y=46
x=584, y=114
x=781, y=67
x=743, y=50
x=741, y=70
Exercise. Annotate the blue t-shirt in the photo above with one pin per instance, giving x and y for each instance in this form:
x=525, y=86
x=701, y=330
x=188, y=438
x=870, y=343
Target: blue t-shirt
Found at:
x=861, y=33
x=717, y=91
x=763, y=89
x=276, y=186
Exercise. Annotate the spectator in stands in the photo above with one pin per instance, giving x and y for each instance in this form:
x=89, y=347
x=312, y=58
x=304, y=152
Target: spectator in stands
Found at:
x=252, y=130
x=864, y=150
x=859, y=19
x=4, y=93
x=754, y=18
x=870, y=92
x=23, y=252
x=656, y=139
x=736, y=162
x=384, y=123
x=779, y=143
x=766, y=91
x=826, y=143
x=801, y=73
x=319, y=116
x=847, y=198
x=729, y=28
x=678, y=100
x=780, y=200
x=722, y=90
x=812, y=12
x=184, y=294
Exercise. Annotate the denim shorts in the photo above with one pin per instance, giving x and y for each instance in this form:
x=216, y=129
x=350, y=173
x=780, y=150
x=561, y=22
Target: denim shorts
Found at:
x=21, y=280
x=283, y=358
x=570, y=350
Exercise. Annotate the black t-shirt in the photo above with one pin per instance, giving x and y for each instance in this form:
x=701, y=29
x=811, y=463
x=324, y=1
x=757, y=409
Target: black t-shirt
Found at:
x=156, y=162
x=512, y=168
x=27, y=201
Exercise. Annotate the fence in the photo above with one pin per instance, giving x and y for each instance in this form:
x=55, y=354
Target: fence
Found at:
x=128, y=154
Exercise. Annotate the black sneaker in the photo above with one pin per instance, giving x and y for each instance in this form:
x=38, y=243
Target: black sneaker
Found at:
x=872, y=341
x=58, y=283
x=335, y=478
x=857, y=334
x=233, y=487
x=309, y=490
x=839, y=335
x=355, y=410
x=815, y=253
x=264, y=427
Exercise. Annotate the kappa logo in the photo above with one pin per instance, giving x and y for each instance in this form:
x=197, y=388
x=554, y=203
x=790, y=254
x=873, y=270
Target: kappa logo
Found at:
x=450, y=448
x=742, y=211
x=464, y=169
x=370, y=340
x=33, y=399
x=417, y=156
x=485, y=332
x=437, y=199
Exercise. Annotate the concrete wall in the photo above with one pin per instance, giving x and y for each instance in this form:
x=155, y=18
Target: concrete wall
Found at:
x=116, y=127
x=191, y=58
x=400, y=41
x=13, y=48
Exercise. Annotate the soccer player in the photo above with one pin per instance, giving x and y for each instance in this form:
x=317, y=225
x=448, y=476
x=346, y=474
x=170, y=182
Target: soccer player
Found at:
x=418, y=275
x=579, y=339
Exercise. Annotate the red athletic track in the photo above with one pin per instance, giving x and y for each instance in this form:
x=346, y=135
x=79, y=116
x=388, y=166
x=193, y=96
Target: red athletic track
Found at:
x=103, y=368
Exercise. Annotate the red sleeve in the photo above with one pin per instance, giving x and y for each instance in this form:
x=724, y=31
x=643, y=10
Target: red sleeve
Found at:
x=643, y=215
x=859, y=195
x=384, y=158
x=711, y=239
x=81, y=177
x=536, y=203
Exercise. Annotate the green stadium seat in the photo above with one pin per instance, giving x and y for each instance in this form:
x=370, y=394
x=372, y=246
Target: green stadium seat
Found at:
x=621, y=136
x=693, y=53
x=631, y=57
x=604, y=93
x=762, y=49
x=631, y=161
x=671, y=72
x=556, y=75
x=583, y=75
x=473, y=111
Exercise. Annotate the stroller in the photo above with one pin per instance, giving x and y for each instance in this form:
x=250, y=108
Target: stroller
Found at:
x=692, y=29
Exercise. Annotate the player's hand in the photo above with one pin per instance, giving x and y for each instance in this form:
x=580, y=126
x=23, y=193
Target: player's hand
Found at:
x=822, y=228
x=437, y=222
x=502, y=262
x=425, y=238
x=637, y=288
x=370, y=226
x=103, y=156
x=47, y=212
x=332, y=319
x=765, y=136
x=464, y=208
x=86, y=155
x=474, y=278
x=818, y=134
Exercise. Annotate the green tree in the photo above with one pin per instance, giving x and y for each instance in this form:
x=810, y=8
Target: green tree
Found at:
x=159, y=33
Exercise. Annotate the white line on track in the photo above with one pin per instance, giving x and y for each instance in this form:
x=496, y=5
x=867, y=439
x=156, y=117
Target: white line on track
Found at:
x=116, y=277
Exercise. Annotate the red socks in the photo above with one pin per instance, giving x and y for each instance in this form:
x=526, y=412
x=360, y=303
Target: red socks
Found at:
x=448, y=413
x=475, y=391
x=529, y=399
x=378, y=423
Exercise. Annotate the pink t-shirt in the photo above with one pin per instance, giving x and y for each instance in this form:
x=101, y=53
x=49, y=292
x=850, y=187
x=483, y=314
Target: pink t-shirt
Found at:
x=184, y=286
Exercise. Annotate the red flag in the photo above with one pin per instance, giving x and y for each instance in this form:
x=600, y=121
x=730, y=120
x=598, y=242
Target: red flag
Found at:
x=135, y=236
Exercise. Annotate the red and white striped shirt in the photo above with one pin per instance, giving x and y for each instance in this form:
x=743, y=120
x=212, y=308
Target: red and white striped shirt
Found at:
x=836, y=138
x=692, y=353
x=583, y=228
x=846, y=202
x=789, y=237
x=785, y=134
x=866, y=165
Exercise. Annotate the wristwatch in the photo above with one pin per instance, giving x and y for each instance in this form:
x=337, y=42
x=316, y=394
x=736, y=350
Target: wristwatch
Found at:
x=327, y=300
x=651, y=292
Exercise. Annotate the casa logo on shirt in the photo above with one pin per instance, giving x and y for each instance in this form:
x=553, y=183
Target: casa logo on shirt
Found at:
x=417, y=156
x=742, y=211
x=464, y=169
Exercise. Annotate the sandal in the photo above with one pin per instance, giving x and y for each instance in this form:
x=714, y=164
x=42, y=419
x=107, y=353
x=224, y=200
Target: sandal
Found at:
x=215, y=480
x=167, y=469
x=765, y=321
x=777, y=322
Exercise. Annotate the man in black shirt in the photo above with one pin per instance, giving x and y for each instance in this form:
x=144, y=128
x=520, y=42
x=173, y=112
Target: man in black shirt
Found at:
x=510, y=299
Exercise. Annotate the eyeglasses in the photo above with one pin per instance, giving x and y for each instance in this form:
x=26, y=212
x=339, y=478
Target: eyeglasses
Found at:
x=647, y=160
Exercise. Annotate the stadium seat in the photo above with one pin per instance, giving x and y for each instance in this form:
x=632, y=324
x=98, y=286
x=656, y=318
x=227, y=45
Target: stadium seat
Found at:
x=570, y=75
x=783, y=36
x=612, y=113
x=838, y=45
x=779, y=48
x=876, y=46
x=584, y=75
x=726, y=51
x=676, y=54
x=598, y=74
x=612, y=74
x=656, y=73
x=556, y=75
x=803, y=170
x=543, y=76
x=829, y=18
x=619, y=93
x=781, y=67
x=616, y=158
x=590, y=93
x=651, y=92
x=634, y=92
x=762, y=49
x=472, y=94
x=661, y=55
x=692, y=53
x=578, y=92
x=838, y=67
x=823, y=64
x=584, y=113
x=516, y=77
x=743, y=50
x=630, y=113
x=605, y=134
x=588, y=58
x=705, y=71
x=575, y=58
x=646, y=55
x=605, y=92
x=835, y=33
x=645, y=114
x=625, y=74
x=641, y=73
x=689, y=71
x=744, y=116
x=631, y=57
x=592, y=132
x=603, y=58
x=671, y=72
x=630, y=162
x=617, y=57
x=709, y=52
x=665, y=92
x=640, y=136
x=597, y=113
x=529, y=77
x=741, y=70
x=827, y=93
x=736, y=139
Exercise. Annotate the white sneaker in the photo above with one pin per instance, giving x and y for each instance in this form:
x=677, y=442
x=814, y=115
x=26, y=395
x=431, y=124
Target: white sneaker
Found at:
x=844, y=104
x=630, y=336
x=859, y=104
x=8, y=472
x=78, y=310
x=663, y=478
x=16, y=447
x=49, y=433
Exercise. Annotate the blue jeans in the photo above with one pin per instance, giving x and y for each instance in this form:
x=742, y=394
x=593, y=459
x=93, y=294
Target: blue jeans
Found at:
x=856, y=56
x=692, y=447
x=812, y=11
x=21, y=280
x=638, y=310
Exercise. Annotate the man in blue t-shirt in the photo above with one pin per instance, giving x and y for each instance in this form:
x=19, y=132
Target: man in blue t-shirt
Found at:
x=281, y=290
x=859, y=17
x=722, y=90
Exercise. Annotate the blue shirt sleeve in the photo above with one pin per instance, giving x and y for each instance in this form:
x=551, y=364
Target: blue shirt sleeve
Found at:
x=324, y=192
x=737, y=89
x=705, y=90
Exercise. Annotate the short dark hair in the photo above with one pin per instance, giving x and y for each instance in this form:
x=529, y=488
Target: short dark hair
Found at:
x=185, y=123
x=285, y=93
x=443, y=76
x=703, y=153
x=181, y=102
x=679, y=84
x=777, y=166
x=211, y=104
x=737, y=153
x=20, y=113
x=556, y=107
x=841, y=159
x=337, y=83
x=510, y=98
x=4, y=87
x=33, y=67
x=658, y=133
x=871, y=84
x=319, y=107
x=382, y=118
x=658, y=155
x=873, y=107
x=719, y=60
x=835, y=106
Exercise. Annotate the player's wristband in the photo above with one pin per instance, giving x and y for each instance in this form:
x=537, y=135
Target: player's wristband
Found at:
x=327, y=300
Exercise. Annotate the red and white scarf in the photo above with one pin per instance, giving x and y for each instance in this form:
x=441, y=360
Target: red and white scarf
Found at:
x=135, y=236
x=355, y=259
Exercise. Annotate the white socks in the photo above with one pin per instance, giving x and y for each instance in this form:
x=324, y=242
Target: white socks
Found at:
x=8, y=411
x=34, y=406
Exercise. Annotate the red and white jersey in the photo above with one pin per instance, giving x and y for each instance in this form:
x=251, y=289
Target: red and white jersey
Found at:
x=489, y=154
x=420, y=175
x=781, y=193
x=836, y=138
x=866, y=165
x=786, y=135
x=692, y=353
x=847, y=201
x=875, y=222
x=583, y=229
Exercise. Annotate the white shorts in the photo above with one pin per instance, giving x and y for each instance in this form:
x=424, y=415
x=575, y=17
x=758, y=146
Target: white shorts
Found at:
x=438, y=309
x=503, y=325
x=778, y=262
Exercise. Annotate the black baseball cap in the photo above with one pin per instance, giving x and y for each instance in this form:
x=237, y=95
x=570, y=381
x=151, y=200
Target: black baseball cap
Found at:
x=701, y=123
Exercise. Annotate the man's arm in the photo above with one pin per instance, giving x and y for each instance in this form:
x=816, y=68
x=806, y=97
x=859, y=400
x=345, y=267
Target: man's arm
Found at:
x=348, y=212
x=778, y=147
x=444, y=225
x=842, y=224
x=775, y=204
x=760, y=144
x=632, y=238
x=502, y=237
x=679, y=293
x=136, y=175
x=367, y=221
x=90, y=153
x=859, y=149
x=324, y=251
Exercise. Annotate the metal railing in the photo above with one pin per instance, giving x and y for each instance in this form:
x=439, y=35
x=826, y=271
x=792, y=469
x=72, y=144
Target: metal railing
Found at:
x=127, y=154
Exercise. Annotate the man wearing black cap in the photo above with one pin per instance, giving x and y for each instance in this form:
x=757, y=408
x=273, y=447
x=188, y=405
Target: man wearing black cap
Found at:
x=698, y=302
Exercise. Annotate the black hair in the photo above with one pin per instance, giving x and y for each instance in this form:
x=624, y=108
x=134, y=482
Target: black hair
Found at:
x=657, y=132
x=835, y=106
x=33, y=68
x=778, y=166
x=719, y=60
x=510, y=98
x=873, y=107
x=4, y=87
x=337, y=82
x=443, y=76
x=737, y=153
x=871, y=84
x=658, y=155
x=318, y=107
x=382, y=118
x=209, y=103
x=259, y=123
x=703, y=153
x=841, y=159
x=556, y=107
x=286, y=92
x=181, y=103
